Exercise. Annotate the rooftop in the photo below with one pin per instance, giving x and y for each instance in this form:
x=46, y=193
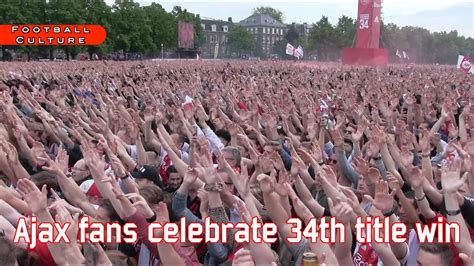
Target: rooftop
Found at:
x=261, y=20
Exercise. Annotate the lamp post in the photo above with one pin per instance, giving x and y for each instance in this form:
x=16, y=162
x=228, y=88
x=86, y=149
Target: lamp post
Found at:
x=161, y=51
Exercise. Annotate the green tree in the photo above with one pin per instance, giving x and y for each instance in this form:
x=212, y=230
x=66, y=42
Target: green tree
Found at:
x=279, y=48
x=346, y=31
x=292, y=35
x=323, y=39
x=163, y=26
x=274, y=13
x=240, y=40
x=98, y=12
x=65, y=12
x=132, y=32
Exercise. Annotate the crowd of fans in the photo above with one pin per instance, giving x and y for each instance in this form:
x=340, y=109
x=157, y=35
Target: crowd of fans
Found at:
x=147, y=142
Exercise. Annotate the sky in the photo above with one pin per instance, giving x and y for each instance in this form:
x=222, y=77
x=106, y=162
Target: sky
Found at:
x=434, y=15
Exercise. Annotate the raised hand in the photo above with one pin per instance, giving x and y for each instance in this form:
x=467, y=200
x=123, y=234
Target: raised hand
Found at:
x=416, y=177
x=341, y=210
x=329, y=175
x=406, y=157
x=361, y=166
x=204, y=197
x=63, y=216
x=149, y=114
x=162, y=215
x=336, y=137
x=62, y=160
x=243, y=211
x=39, y=152
x=301, y=210
x=352, y=200
x=35, y=198
x=361, y=127
x=383, y=199
x=203, y=156
x=451, y=179
x=133, y=130
x=191, y=176
x=393, y=182
x=372, y=147
x=424, y=143
x=92, y=159
x=266, y=183
x=373, y=176
x=277, y=161
x=11, y=152
x=280, y=186
x=140, y=204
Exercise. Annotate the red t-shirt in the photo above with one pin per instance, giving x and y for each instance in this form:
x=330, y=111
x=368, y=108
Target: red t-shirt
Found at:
x=43, y=253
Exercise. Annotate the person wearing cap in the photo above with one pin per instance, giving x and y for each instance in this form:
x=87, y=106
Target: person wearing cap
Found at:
x=92, y=192
x=147, y=175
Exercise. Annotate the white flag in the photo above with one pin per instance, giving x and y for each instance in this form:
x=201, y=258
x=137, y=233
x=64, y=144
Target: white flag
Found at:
x=299, y=52
x=398, y=54
x=216, y=50
x=465, y=64
x=290, y=50
x=405, y=55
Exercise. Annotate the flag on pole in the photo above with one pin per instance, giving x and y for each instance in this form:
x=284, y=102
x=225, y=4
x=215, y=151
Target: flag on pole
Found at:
x=290, y=50
x=465, y=64
x=398, y=54
x=299, y=52
x=296, y=52
x=405, y=56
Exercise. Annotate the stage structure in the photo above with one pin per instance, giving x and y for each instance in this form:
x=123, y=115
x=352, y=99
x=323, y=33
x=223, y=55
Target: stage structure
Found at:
x=367, y=50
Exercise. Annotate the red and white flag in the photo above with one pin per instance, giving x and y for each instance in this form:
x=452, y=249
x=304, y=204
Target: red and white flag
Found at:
x=290, y=49
x=293, y=51
x=465, y=64
x=188, y=103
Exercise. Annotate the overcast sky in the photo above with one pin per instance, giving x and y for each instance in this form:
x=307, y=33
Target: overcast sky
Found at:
x=434, y=15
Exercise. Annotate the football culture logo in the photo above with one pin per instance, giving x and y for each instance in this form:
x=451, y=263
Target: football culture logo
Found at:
x=52, y=34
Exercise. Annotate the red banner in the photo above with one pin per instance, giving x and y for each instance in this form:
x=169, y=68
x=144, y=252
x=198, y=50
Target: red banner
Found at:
x=368, y=24
x=375, y=29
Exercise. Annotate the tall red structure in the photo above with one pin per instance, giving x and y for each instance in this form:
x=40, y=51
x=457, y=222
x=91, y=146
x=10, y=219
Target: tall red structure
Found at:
x=367, y=50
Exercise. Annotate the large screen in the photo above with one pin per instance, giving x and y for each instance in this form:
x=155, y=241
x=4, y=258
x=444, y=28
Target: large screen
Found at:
x=185, y=35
